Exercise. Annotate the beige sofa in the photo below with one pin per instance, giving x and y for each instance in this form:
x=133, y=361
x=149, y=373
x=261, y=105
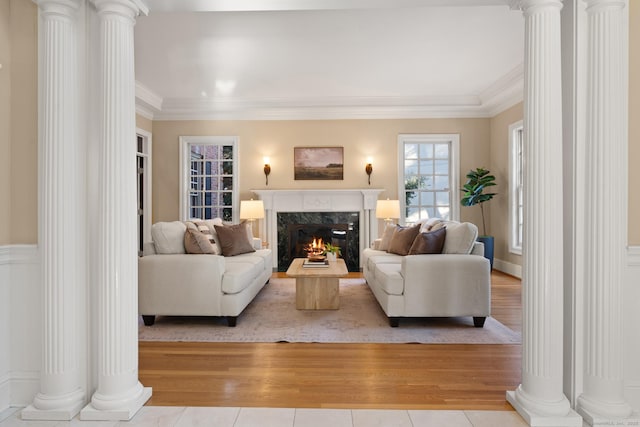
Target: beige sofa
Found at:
x=456, y=282
x=173, y=282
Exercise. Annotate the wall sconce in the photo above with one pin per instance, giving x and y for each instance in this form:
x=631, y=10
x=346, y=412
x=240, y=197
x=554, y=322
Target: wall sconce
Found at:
x=267, y=169
x=369, y=168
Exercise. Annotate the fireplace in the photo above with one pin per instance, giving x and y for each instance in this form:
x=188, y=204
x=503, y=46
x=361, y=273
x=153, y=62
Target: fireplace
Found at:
x=337, y=209
x=297, y=230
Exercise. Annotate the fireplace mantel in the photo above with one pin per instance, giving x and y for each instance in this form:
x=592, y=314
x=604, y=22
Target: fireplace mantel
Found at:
x=320, y=200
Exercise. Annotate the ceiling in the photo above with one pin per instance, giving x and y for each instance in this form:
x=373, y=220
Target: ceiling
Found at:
x=317, y=59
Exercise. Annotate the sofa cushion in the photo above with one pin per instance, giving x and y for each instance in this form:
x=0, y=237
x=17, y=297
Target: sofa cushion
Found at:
x=238, y=276
x=233, y=239
x=431, y=242
x=196, y=242
x=389, y=278
x=402, y=239
x=460, y=237
x=387, y=234
x=208, y=224
x=168, y=237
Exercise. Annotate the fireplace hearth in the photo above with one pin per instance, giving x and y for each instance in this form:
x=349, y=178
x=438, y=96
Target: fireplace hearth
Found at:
x=297, y=230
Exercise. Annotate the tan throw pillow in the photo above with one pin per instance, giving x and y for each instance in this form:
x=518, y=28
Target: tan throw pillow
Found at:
x=387, y=234
x=196, y=242
x=402, y=239
x=460, y=238
x=233, y=239
x=431, y=242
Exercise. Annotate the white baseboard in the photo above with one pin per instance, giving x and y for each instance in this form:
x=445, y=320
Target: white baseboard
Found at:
x=24, y=386
x=508, y=268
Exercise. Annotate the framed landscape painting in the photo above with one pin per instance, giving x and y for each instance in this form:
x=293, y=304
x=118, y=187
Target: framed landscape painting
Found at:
x=315, y=163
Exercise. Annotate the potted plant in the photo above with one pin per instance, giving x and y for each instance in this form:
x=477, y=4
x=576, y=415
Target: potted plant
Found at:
x=331, y=251
x=473, y=194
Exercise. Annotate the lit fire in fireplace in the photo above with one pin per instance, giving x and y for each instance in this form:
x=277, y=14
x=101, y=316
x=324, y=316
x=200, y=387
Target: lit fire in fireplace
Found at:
x=315, y=248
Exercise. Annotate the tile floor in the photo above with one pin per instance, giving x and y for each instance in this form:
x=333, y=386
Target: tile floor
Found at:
x=164, y=416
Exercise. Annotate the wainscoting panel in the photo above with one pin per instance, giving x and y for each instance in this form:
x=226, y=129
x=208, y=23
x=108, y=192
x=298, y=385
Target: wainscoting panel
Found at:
x=631, y=324
x=5, y=330
x=20, y=328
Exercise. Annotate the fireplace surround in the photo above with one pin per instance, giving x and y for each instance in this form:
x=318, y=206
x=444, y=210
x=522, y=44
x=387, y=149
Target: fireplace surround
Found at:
x=320, y=207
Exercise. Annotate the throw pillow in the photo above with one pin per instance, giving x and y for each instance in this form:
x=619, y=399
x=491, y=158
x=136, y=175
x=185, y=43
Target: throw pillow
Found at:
x=460, y=238
x=233, y=239
x=402, y=239
x=431, y=242
x=196, y=242
x=168, y=237
x=387, y=234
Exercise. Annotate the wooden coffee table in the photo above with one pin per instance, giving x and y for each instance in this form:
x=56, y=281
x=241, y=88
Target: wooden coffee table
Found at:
x=317, y=287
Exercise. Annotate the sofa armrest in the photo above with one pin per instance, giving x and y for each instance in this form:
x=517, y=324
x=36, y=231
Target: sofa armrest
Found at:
x=478, y=249
x=449, y=285
x=257, y=243
x=180, y=284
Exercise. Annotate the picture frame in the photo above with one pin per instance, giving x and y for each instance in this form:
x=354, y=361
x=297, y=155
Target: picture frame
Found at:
x=318, y=163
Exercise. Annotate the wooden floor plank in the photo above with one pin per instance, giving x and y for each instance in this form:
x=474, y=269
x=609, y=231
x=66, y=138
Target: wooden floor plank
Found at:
x=304, y=375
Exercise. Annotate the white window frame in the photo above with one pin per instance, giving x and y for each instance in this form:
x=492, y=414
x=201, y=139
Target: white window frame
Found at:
x=185, y=171
x=516, y=164
x=146, y=154
x=454, y=168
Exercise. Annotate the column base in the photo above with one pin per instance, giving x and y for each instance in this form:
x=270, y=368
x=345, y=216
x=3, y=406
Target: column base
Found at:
x=606, y=414
x=57, y=408
x=125, y=413
x=571, y=419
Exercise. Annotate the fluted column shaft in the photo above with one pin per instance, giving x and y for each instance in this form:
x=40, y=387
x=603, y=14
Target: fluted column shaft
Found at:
x=119, y=394
x=605, y=212
x=541, y=395
x=61, y=397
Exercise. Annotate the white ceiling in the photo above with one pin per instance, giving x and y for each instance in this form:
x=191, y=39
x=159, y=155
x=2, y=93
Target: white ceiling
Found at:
x=328, y=58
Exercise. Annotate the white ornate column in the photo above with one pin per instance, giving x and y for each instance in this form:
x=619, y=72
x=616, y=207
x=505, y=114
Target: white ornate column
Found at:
x=61, y=396
x=602, y=401
x=119, y=394
x=540, y=399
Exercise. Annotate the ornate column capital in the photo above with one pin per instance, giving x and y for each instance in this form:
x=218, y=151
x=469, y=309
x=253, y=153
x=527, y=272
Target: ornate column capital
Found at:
x=127, y=9
x=603, y=4
x=64, y=9
x=533, y=6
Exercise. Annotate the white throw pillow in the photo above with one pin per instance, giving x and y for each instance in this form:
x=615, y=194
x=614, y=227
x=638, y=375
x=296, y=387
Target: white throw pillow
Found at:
x=168, y=237
x=460, y=238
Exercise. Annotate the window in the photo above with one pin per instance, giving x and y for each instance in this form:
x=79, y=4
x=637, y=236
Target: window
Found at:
x=143, y=187
x=429, y=169
x=516, y=166
x=208, y=178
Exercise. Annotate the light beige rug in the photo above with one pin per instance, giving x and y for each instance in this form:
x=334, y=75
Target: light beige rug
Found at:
x=272, y=317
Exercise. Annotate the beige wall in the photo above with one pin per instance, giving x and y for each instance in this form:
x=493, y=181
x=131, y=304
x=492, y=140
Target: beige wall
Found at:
x=634, y=122
x=276, y=139
x=144, y=123
x=5, y=121
x=19, y=111
x=499, y=206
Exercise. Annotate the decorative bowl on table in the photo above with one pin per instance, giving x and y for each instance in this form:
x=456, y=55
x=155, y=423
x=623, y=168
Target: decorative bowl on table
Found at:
x=316, y=258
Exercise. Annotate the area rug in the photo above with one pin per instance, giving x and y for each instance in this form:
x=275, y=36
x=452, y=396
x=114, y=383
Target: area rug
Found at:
x=272, y=317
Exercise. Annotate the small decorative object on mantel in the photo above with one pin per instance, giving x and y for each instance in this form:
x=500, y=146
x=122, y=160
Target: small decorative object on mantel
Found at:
x=331, y=251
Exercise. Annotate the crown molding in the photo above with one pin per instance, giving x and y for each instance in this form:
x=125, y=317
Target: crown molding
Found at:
x=299, y=5
x=502, y=94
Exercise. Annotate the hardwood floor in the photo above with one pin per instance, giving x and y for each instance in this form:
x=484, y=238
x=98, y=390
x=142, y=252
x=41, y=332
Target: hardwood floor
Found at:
x=296, y=375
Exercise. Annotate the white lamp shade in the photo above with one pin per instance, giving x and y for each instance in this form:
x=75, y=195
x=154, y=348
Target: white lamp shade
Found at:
x=388, y=209
x=251, y=209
